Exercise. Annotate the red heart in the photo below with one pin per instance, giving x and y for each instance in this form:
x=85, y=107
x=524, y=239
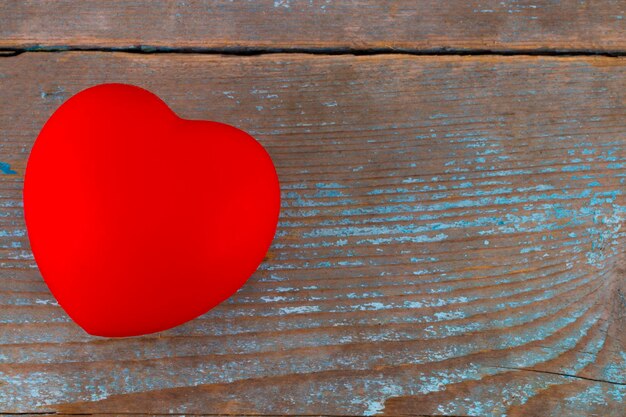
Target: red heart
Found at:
x=140, y=220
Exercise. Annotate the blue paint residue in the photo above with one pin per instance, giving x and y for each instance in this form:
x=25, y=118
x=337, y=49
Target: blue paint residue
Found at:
x=6, y=169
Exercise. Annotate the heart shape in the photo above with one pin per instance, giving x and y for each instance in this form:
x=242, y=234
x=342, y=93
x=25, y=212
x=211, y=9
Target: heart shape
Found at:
x=140, y=220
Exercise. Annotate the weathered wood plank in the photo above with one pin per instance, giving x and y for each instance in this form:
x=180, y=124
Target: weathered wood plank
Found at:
x=400, y=24
x=450, y=241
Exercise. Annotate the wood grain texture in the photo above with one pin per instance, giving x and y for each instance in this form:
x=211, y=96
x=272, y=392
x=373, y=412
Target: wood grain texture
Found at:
x=598, y=25
x=450, y=241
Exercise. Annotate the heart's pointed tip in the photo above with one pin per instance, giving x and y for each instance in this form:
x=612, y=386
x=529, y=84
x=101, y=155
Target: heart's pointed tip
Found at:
x=118, y=332
x=99, y=333
x=110, y=335
x=96, y=331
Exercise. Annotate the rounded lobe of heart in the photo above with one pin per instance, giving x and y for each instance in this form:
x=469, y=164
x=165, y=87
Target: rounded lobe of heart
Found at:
x=139, y=220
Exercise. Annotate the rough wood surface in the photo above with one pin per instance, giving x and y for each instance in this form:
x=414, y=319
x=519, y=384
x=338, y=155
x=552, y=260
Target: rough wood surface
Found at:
x=598, y=25
x=450, y=241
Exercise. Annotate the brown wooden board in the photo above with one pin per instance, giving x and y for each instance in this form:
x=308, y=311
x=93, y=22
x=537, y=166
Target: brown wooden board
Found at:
x=450, y=241
x=588, y=25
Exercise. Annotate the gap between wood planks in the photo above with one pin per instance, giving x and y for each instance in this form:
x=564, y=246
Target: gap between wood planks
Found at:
x=252, y=51
x=54, y=413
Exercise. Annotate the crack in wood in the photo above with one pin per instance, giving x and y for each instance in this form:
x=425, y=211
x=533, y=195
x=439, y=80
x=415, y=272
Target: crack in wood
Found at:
x=566, y=375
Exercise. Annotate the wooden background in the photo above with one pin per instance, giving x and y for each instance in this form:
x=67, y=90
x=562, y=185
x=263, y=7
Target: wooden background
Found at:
x=451, y=239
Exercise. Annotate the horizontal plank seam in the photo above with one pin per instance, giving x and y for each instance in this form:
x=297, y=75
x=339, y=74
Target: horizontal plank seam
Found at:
x=60, y=414
x=252, y=51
